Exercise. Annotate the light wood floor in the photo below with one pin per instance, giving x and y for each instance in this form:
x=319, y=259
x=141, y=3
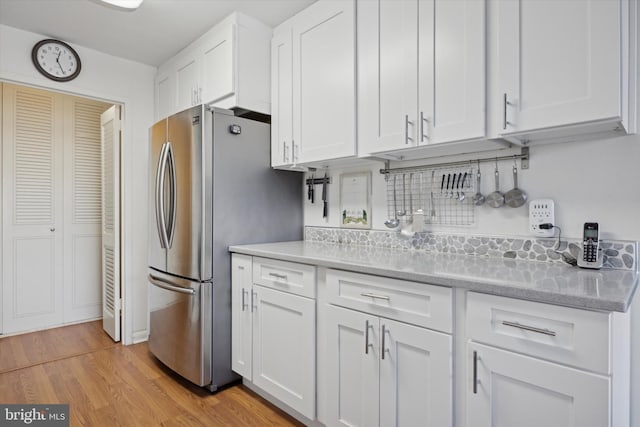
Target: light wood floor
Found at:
x=107, y=384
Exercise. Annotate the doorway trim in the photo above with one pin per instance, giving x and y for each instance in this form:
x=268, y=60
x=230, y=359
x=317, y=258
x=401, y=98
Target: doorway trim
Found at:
x=126, y=210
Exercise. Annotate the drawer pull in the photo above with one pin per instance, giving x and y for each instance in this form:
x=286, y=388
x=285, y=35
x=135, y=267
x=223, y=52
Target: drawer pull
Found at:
x=278, y=276
x=370, y=295
x=529, y=328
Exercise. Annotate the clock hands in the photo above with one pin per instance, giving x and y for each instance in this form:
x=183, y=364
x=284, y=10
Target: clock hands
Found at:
x=58, y=61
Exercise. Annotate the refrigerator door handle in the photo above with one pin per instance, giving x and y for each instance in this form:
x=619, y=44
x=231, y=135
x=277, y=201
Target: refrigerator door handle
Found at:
x=168, y=286
x=173, y=192
x=159, y=196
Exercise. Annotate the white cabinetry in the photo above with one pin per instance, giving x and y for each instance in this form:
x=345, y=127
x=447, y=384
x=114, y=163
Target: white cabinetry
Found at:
x=421, y=69
x=314, y=119
x=282, y=96
x=273, y=329
x=554, y=366
x=227, y=67
x=383, y=371
x=562, y=63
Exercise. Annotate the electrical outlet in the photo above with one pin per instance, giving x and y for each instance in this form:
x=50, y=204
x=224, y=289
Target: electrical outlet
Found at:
x=541, y=211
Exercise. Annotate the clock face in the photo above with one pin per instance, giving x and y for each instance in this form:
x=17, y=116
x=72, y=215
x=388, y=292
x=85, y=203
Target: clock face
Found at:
x=56, y=60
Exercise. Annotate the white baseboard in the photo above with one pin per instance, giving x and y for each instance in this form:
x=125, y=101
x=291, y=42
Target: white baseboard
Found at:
x=140, y=336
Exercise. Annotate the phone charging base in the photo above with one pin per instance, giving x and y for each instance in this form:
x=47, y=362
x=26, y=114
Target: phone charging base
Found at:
x=597, y=264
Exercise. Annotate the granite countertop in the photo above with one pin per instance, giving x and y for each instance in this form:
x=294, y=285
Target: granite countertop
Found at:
x=607, y=290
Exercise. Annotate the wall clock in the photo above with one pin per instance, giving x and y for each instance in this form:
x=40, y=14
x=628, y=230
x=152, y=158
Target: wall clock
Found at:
x=56, y=60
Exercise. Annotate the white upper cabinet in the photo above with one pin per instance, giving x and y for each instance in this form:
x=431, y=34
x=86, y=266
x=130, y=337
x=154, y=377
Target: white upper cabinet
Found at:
x=324, y=79
x=319, y=43
x=187, y=81
x=281, y=97
x=421, y=69
x=560, y=63
x=227, y=67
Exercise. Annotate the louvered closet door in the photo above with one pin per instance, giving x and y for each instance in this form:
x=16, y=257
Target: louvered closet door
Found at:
x=110, y=141
x=83, y=216
x=32, y=267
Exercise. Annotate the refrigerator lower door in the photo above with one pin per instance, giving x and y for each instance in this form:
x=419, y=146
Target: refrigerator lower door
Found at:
x=180, y=325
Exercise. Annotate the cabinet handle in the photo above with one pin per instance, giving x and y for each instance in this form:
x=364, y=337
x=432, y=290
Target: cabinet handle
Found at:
x=529, y=328
x=294, y=152
x=382, y=349
x=504, y=112
x=244, y=304
x=199, y=95
x=406, y=130
x=475, y=372
x=278, y=276
x=366, y=337
x=423, y=120
x=370, y=295
x=254, y=295
x=284, y=152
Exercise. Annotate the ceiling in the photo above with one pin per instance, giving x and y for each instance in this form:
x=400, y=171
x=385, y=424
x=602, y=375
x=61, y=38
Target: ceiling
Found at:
x=151, y=35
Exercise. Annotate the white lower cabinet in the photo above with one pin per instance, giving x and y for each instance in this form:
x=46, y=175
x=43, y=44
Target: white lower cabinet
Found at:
x=516, y=390
x=531, y=364
x=273, y=336
x=382, y=372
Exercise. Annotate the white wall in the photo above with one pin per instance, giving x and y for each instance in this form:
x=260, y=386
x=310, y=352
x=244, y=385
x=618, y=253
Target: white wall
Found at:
x=116, y=80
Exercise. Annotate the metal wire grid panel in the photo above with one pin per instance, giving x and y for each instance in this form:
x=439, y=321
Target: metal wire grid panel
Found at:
x=442, y=194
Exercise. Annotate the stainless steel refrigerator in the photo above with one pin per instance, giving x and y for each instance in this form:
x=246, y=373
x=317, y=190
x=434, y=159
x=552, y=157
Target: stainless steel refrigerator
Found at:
x=210, y=186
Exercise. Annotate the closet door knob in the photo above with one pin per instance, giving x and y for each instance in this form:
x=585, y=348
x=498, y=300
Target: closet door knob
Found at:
x=52, y=229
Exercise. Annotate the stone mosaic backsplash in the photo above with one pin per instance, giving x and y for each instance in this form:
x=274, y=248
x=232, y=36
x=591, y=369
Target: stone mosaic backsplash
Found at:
x=618, y=254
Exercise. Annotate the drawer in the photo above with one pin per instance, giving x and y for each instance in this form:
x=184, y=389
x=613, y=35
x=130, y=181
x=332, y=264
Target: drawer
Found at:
x=410, y=302
x=298, y=279
x=561, y=334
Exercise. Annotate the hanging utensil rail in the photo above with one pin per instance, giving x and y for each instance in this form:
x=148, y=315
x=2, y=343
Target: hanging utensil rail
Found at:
x=523, y=156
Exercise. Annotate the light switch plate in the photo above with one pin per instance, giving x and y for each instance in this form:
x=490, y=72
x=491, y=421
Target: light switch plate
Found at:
x=541, y=211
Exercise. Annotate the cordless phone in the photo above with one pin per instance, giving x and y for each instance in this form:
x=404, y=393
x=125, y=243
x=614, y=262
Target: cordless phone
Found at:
x=590, y=256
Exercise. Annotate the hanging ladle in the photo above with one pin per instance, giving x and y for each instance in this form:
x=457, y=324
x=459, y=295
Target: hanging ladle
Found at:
x=393, y=222
x=403, y=212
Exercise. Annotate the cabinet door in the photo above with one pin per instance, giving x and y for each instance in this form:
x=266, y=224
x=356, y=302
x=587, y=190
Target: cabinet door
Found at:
x=353, y=356
x=517, y=390
x=387, y=74
x=217, y=66
x=324, y=103
x=33, y=209
x=241, y=308
x=284, y=348
x=165, y=94
x=452, y=71
x=558, y=62
x=187, y=81
x=281, y=98
x=415, y=376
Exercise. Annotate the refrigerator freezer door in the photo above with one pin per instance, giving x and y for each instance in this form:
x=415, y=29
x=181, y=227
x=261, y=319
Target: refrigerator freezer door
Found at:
x=180, y=315
x=157, y=148
x=186, y=248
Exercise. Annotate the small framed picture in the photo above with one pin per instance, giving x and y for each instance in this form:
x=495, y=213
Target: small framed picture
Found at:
x=355, y=200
